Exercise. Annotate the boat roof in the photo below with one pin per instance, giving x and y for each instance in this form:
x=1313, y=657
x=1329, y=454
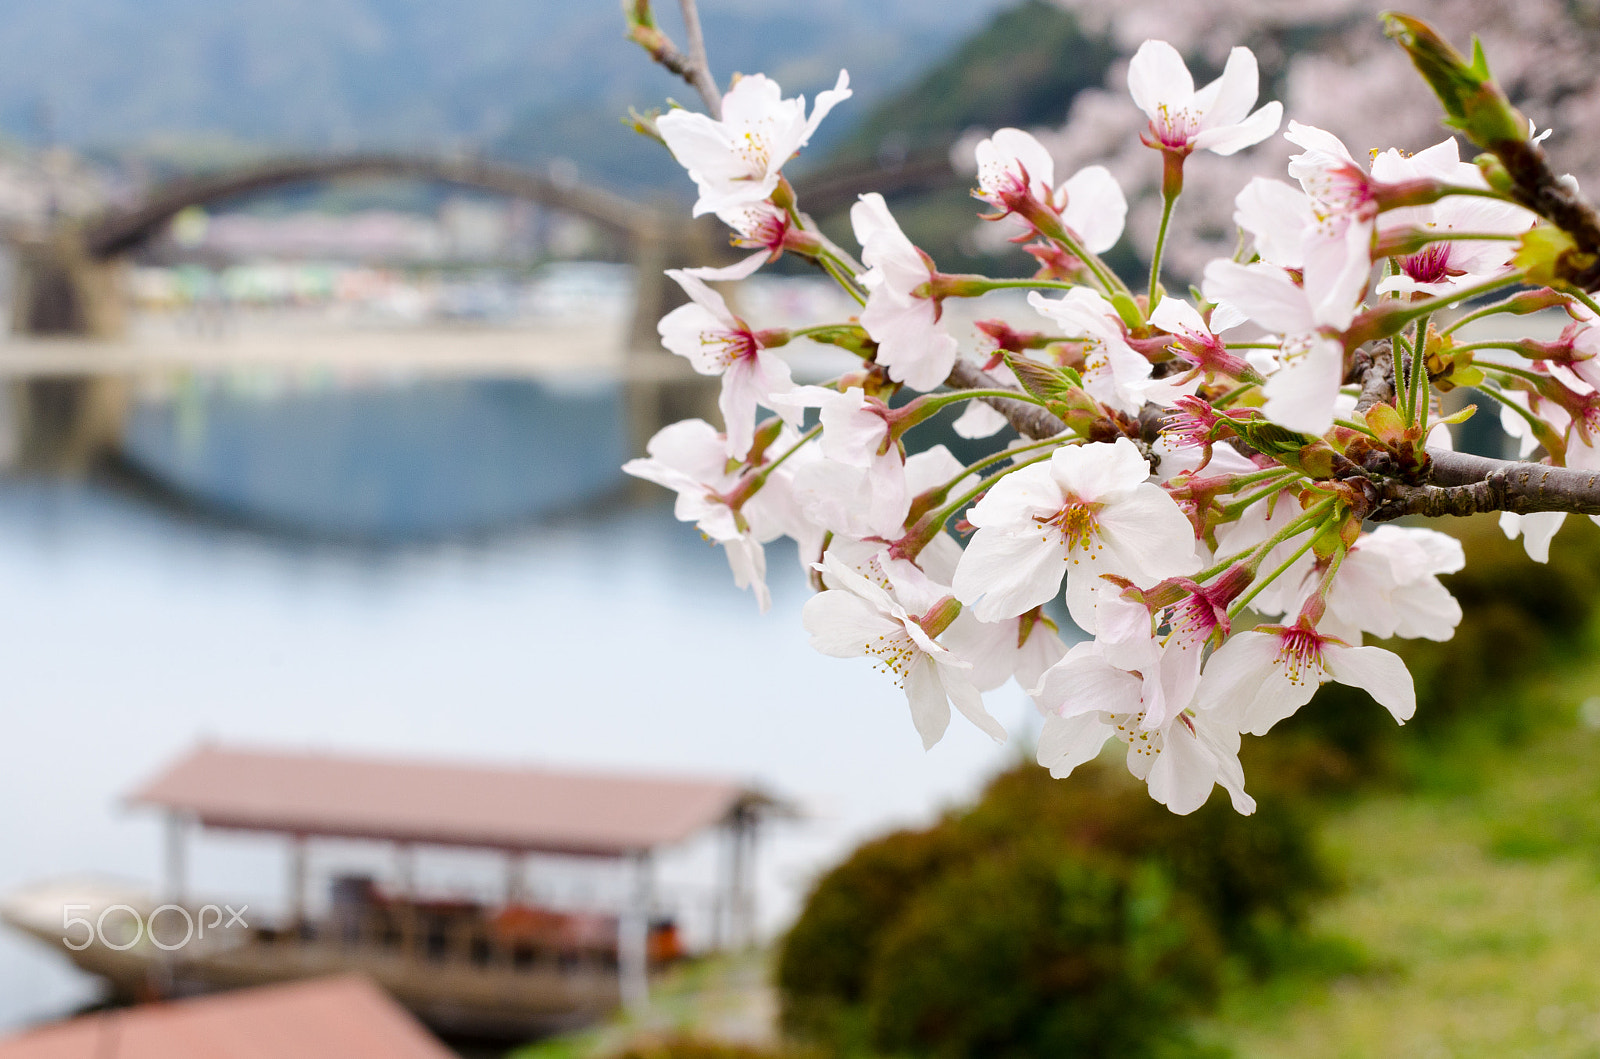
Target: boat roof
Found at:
x=327, y=1019
x=523, y=810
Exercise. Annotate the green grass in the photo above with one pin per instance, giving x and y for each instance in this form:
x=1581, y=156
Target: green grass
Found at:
x=1470, y=926
x=718, y=998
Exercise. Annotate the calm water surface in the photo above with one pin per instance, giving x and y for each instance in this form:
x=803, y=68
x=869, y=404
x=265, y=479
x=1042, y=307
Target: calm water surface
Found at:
x=473, y=608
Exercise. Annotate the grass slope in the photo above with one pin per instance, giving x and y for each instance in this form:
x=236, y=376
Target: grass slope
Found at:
x=1476, y=904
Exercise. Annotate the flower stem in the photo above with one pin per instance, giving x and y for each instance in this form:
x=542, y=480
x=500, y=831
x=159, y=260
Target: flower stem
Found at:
x=1236, y=508
x=1167, y=202
x=1299, y=524
x=998, y=457
x=1420, y=392
x=1588, y=302
x=1509, y=305
x=1256, y=589
x=1234, y=394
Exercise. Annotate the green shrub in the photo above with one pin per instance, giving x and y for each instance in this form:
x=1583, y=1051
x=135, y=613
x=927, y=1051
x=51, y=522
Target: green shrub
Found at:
x=694, y=1048
x=1074, y=918
x=1038, y=952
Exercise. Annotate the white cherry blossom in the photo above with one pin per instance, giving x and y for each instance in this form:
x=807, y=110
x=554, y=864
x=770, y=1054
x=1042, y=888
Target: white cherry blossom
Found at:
x=1301, y=393
x=737, y=161
x=1337, y=249
x=1216, y=118
x=1013, y=167
x=715, y=342
x=691, y=458
x=912, y=346
x=1388, y=585
x=1088, y=701
x=1088, y=511
x=863, y=618
x=1113, y=372
x=1442, y=267
x=1258, y=678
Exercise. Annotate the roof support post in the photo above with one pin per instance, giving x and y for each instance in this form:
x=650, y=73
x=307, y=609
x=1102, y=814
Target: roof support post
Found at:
x=298, y=872
x=175, y=883
x=741, y=889
x=633, y=935
x=516, y=876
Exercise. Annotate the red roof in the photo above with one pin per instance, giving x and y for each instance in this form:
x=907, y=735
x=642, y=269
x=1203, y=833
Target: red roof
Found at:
x=515, y=809
x=336, y=1018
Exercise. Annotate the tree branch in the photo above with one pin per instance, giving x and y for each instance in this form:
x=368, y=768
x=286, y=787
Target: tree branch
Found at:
x=1463, y=484
x=1373, y=368
x=699, y=65
x=693, y=68
x=1029, y=420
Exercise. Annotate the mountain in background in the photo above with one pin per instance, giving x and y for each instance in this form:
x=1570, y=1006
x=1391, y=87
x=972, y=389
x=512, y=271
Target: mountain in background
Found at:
x=1022, y=69
x=529, y=79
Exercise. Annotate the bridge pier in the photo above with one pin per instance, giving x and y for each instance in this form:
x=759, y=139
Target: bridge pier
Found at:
x=660, y=387
x=64, y=424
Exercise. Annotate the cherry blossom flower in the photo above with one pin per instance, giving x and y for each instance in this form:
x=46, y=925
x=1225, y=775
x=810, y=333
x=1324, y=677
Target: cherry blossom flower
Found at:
x=691, y=458
x=1337, y=249
x=715, y=342
x=1388, y=585
x=912, y=346
x=863, y=618
x=1216, y=118
x=871, y=500
x=1164, y=645
x=1113, y=372
x=1089, y=701
x=1301, y=393
x=1279, y=217
x=737, y=161
x=1442, y=267
x=1198, y=344
x=1088, y=511
x=1016, y=175
x=1258, y=678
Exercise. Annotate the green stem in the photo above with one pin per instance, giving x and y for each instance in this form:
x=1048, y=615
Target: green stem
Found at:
x=761, y=476
x=1167, y=202
x=1509, y=305
x=1233, y=395
x=842, y=276
x=998, y=457
x=943, y=514
x=1351, y=424
x=1257, y=588
x=1420, y=309
x=1515, y=372
x=1533, y=420
x=1236, y=508
x=933, y=402
x=1515, y=347
x=1420, y=392
x=1005, y=284
x=1588, y=302
x=1297, y=525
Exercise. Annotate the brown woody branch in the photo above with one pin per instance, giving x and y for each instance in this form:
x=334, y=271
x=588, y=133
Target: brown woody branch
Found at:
x=1029, y=420
x=693, y=68
x=1536, y=186
x=1373, y=368
x=1463, y=484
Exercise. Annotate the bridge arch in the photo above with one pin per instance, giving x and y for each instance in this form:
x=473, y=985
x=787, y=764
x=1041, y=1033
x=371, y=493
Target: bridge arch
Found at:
x=122, y=231
x=67, y=284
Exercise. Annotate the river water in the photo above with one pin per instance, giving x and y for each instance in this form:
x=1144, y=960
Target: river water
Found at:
x=436, y=570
